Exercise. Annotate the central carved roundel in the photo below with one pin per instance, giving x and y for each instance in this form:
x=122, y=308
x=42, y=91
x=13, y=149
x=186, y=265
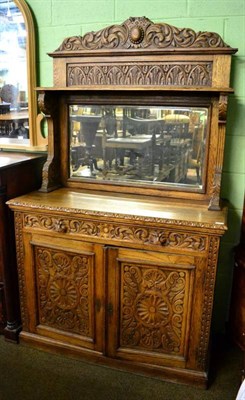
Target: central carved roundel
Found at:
x=152, y=310
x=136, y=34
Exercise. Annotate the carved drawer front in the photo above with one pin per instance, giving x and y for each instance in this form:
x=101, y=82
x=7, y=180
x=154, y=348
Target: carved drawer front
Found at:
x=67, y=291
x=153, y=293
x=117, y=233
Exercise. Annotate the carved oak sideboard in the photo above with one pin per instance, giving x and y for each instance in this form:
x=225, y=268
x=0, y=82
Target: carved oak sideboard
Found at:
x=117, y=251
x=117, y=280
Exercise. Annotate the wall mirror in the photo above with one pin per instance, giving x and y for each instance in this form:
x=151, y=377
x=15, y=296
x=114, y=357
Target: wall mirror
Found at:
x=156, y=145
x=18, y=108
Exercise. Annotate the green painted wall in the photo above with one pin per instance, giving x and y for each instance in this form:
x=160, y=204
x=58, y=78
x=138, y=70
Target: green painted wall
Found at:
x=57, y=19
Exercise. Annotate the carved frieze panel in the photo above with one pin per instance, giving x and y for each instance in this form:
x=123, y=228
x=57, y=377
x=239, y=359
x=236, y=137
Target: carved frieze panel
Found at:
x=157, y=74
x=153, y=308
x=64, y=290
x=119, y=232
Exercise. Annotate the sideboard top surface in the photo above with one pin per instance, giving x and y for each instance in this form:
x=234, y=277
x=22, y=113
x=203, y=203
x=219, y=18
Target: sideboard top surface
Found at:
x=116, y=205
x=8, y=159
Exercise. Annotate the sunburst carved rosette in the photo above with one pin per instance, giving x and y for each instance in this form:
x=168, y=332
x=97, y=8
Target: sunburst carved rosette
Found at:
x=152, y=310
x=64, y=290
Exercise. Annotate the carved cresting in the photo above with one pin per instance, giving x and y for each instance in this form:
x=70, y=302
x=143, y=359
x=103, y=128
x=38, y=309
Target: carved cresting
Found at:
x=64, y=290
x=153, y=304
x=140, y=32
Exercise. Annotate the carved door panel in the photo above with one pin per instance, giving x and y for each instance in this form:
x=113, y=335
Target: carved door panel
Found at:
x=149, y=306
x=65, y=286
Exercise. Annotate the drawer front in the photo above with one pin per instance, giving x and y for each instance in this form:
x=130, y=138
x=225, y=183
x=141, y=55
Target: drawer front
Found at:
x=119, y=233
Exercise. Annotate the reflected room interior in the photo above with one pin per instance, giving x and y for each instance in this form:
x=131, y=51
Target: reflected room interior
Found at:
x=139, y=144
x=14, y=116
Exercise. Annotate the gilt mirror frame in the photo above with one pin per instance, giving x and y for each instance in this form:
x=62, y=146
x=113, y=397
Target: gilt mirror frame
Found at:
x=36, y=140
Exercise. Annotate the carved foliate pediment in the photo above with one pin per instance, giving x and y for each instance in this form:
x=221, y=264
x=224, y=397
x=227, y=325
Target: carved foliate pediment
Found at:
x=141, y=33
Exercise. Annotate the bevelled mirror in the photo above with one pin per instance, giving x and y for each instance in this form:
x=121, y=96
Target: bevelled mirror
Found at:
x=18, y=106
x=156, y=145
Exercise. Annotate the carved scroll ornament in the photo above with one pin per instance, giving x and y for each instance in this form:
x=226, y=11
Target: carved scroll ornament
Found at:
x=223, y=103
x=140, y=32
x=47, y=104
x=117, y=232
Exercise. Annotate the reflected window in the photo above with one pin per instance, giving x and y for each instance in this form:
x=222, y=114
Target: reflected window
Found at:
x=139, y=144
x=13, y=73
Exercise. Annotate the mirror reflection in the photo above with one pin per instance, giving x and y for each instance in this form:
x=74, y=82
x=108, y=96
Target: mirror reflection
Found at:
x=156, y=145
x=14, y=117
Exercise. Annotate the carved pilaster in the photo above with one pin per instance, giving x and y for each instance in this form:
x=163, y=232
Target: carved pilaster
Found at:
x=215, y=199
x=209, y=283
x=214, y=203
x=20, y=266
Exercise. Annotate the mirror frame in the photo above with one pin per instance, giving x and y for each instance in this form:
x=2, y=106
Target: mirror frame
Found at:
x=134, y=58
x=37, y=141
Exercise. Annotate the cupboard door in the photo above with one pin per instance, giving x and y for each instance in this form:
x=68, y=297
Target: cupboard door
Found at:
x=64, y=290
x=150, y=299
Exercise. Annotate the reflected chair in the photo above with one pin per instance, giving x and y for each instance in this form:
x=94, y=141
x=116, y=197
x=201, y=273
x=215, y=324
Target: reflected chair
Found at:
x=177, y=125
x=197, y=151
x=135, y=144
x=9, y=94
x=195, y=163
x=88, y=128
